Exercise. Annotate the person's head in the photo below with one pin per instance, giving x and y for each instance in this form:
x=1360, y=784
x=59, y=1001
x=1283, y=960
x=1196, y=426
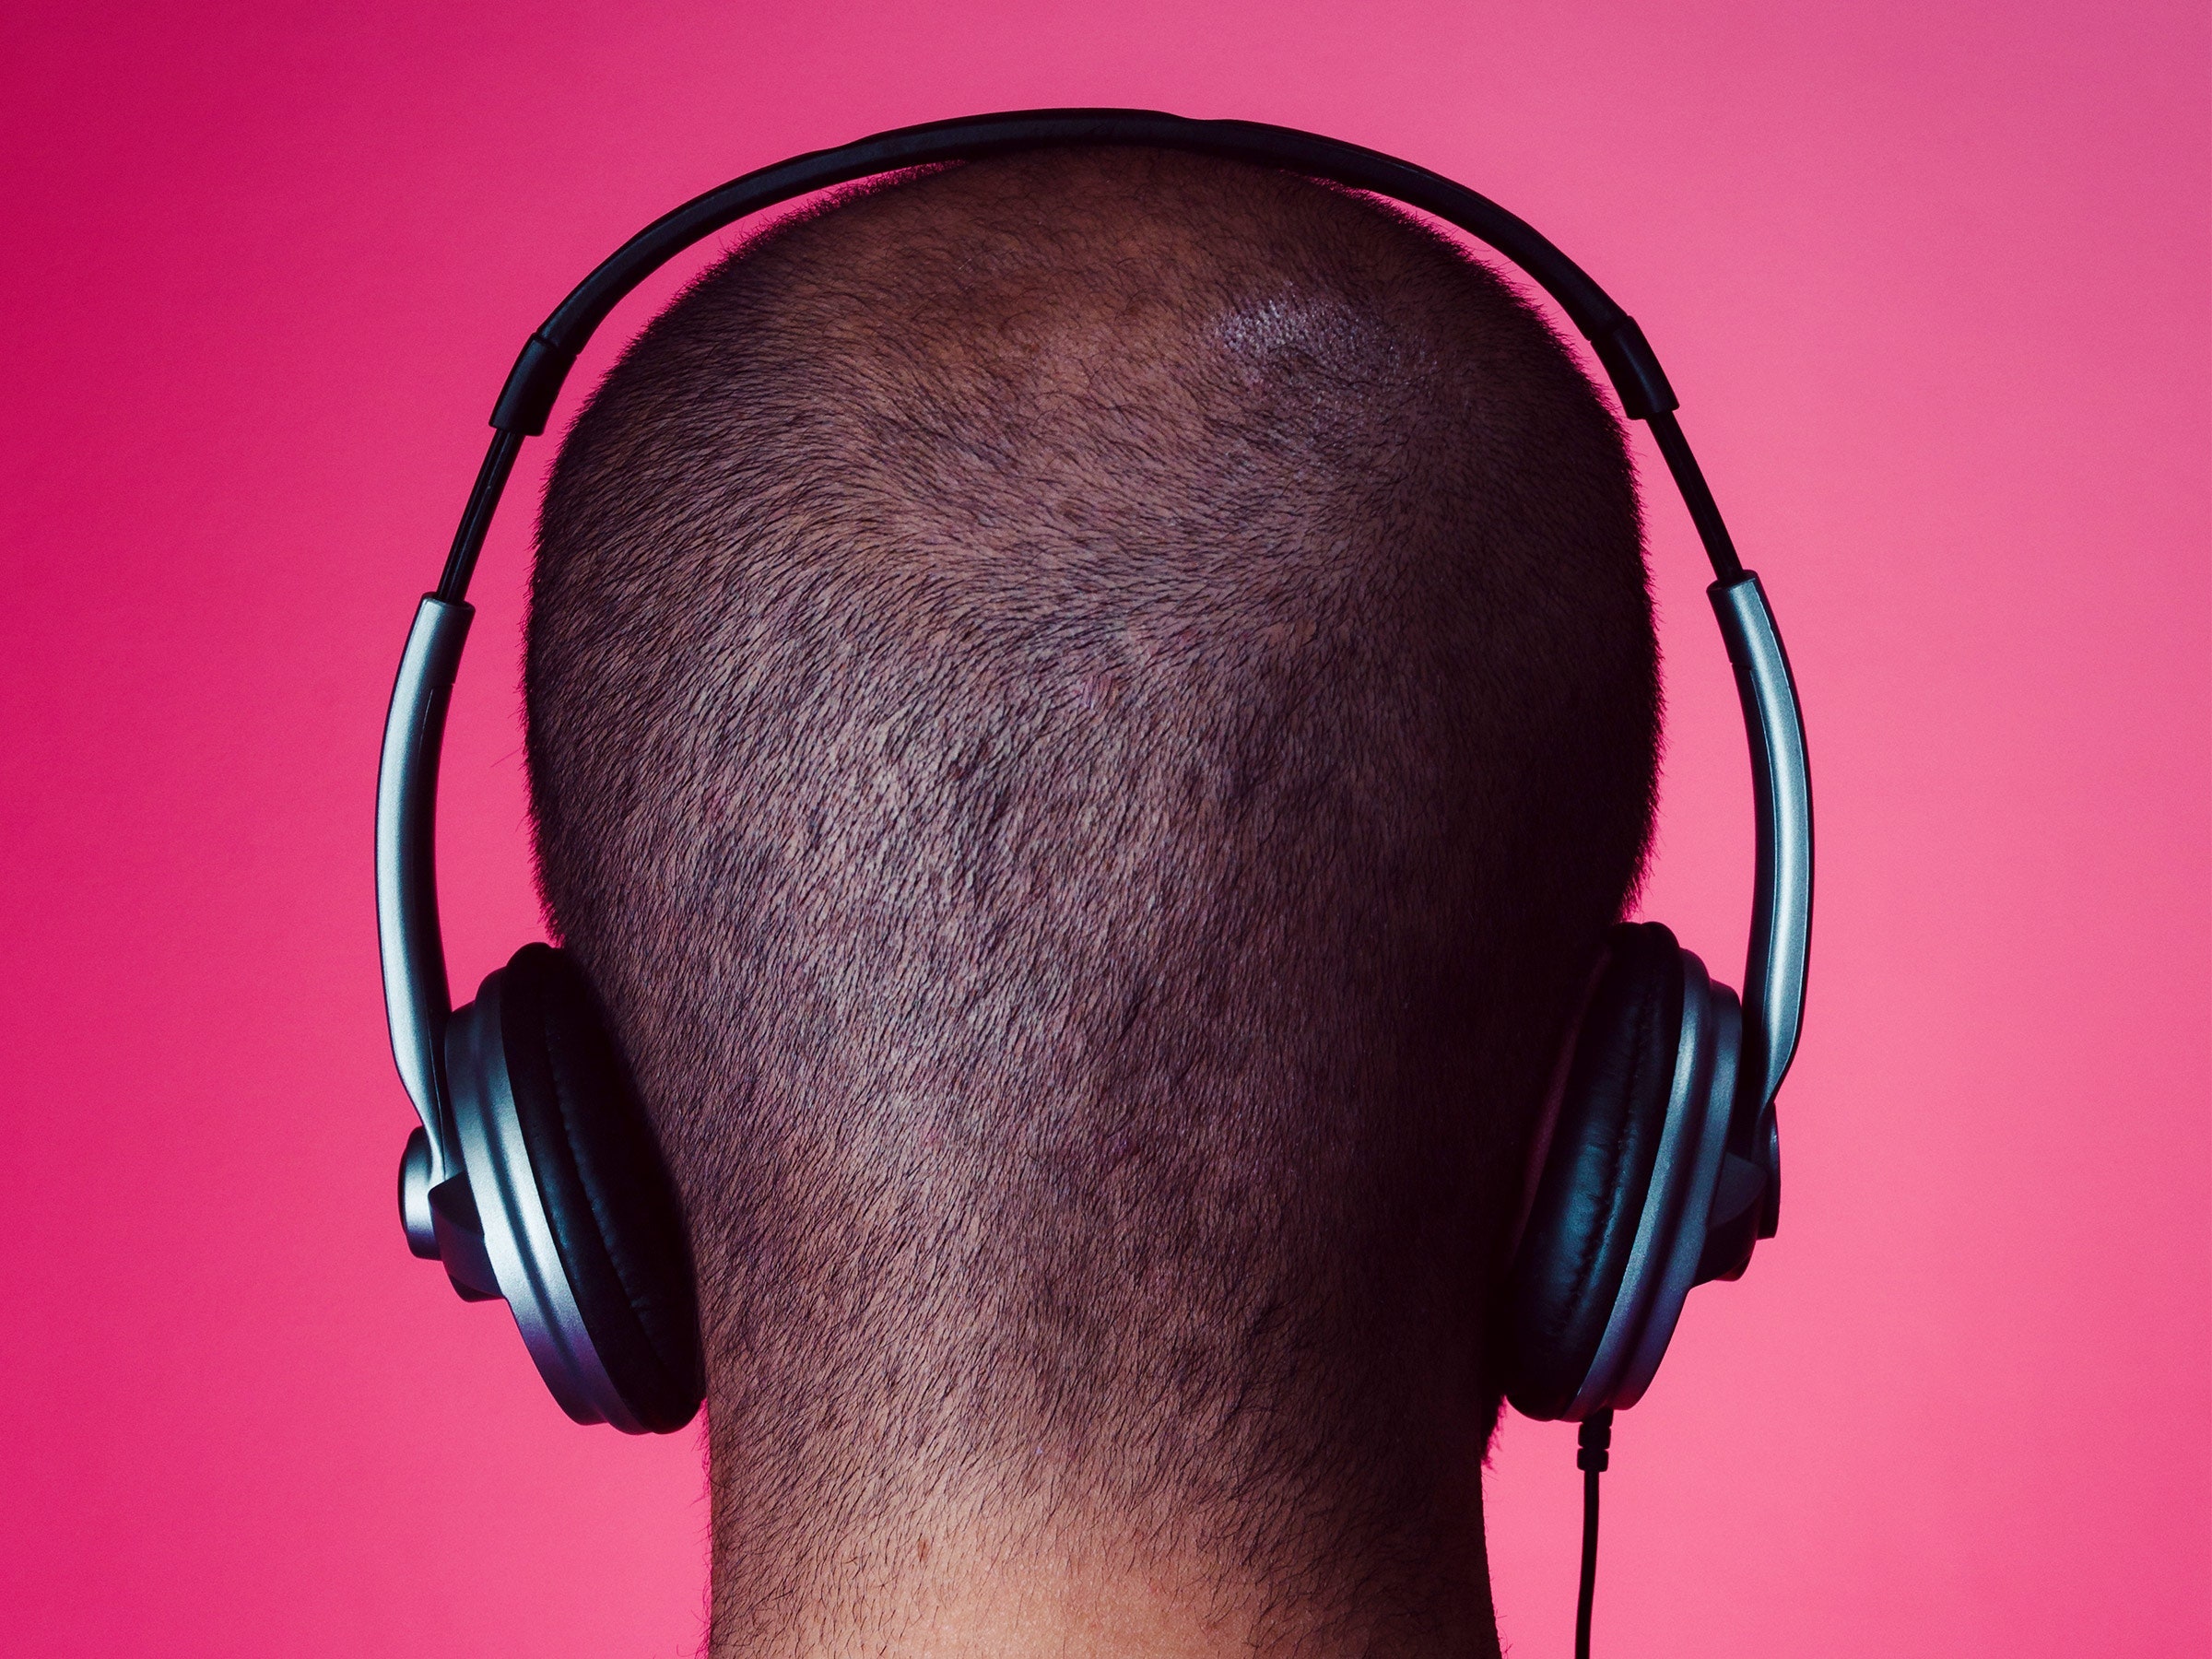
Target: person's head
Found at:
x=1087, y=715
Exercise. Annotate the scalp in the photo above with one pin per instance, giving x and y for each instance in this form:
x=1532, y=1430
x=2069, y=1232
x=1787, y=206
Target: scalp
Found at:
x=1087, y=712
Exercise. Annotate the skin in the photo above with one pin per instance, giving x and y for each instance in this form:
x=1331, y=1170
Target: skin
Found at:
x=983, y=1581
x=1088, y=714
x=967, y=1597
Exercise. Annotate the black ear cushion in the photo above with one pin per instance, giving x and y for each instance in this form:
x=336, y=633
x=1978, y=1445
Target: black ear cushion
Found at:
x=1591, y=1195
x=606, y=1191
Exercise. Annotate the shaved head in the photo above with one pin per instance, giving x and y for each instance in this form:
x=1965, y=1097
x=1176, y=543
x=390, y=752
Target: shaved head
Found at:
x=1088, y=714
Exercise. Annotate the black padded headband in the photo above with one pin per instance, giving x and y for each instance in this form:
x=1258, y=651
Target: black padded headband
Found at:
x=548, y=354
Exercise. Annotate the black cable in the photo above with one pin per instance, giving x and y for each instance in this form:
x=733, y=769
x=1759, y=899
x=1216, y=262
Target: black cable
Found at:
x=1595, y=1443
x=476, y=519
x=1696, y=495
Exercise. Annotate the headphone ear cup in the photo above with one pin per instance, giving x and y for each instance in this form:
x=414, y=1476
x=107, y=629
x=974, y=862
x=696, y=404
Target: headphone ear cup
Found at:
x=612, y=1211
x=1567, y=1273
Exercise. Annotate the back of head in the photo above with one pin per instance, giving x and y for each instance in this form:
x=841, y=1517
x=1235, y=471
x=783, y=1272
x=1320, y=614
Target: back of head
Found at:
x=1087, y=715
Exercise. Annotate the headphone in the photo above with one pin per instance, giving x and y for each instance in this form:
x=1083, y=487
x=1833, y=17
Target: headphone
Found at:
x=534, y=1178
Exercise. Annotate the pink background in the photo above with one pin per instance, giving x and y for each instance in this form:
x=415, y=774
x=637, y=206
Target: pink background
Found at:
x=1932, y=281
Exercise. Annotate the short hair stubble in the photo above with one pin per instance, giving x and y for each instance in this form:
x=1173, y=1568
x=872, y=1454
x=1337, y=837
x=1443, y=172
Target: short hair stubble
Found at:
x=1088, y=714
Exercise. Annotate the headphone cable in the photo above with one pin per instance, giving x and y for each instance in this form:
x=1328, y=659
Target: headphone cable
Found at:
x=1594, y=1444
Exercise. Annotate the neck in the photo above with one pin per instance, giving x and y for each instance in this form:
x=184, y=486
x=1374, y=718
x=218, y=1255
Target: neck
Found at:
x=947, y=1585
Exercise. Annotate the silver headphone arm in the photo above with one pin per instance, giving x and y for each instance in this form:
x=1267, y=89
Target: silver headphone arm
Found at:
x=417, y=1001
x=1781, y=801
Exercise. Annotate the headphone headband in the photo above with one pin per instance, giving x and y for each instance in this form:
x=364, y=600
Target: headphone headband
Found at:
x=417, y=998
